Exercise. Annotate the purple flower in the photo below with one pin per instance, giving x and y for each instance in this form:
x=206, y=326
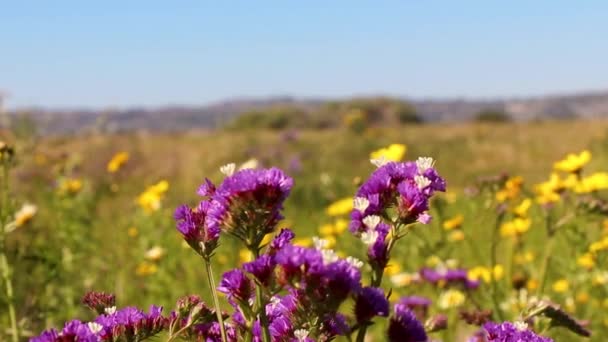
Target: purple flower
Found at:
x=419, y=305
x=248, y=203
x=99, y=301
x=192, y=224
x=281, y=240
x=448, y=277
x=236, y=285
x=370, y=302
x=334, y=325
x=72, y=331
x=509, y=332
x=404, y=327
x=377, y=253
x=280, y=328
x=210, y=332
x=131, y=322
x=207, y=189
x=261, y=268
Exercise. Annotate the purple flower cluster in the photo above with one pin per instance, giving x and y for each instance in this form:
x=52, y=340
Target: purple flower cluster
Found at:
x=99, y=301
x=72, y=331
x=404, y=327
x=192, y=224
x=419, y=305
x=404, y=186
x=509, y=332
x=448, y=277
x=370, y=302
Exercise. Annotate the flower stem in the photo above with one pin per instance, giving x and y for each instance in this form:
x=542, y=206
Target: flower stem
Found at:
x=546, y=261
x=259, y=298
x=216, y=300
x=6, y=270
x=493, y=262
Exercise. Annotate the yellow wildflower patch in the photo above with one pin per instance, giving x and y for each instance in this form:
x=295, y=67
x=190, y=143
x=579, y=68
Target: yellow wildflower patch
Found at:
x=561, y=286
x=117, y=161
x=515, y=227
x=451, y=299
x=340, y=207
x=394, y=152
x=454, y=222
x=573, y=162
x=150, y=200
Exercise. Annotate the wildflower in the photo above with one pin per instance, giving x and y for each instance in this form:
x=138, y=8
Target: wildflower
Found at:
x=522, y=209
x=573, y=163
x=455, y=236
x=516, y=227
x=417, y=304
x=454, y=222
x=451, y=299
x=394, y=153
x=236, y=285
x=250, y=164
x=72, y=331
x=24, y=215
x=340, y=207
x=192, y=224
x=586, y=261
x=404, y=327
x=69, y=186
x=132, y=231
x=155, y=253
x=360, y=204
x=510, y=190
x=150, y=199
x=595, y=182
x=511, y=332
x=126, y=323
x=370, y=302
x=99, y=301
x=117, y=161
x=248, y=203
x=403, y=279
x=146, y=269
x=561, y=286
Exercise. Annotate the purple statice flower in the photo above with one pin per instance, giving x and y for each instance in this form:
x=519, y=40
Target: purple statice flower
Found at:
x=99, y=301
x=207, y=189
x=419, y=305
x=370, y=302
x=404, y=327
x=261, y=268
x=72, y=331
x=334, y=325
x=131, y=323
x=509, y=332
x=210, y=332
x=192, y=224
x=280, y=328
x=295, y=261
x=448, y=277
x=377, y=252
x=248, y=203
x=282, y=239
x=236, y=285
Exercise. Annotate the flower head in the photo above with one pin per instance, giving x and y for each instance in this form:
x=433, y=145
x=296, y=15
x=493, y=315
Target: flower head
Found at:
x=509, y=332
x=192, y=224
x=404, y=327
x=117, y=161
x=370, y=302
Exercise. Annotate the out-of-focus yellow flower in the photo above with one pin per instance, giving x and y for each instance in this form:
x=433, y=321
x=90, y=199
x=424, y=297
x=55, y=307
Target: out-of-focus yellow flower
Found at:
x=599, y=278
x=433, y=261
x=394, y=152
x=245, y=255
x=595, y=182
x=586, y=261
x=548, y=191
x=511, y=189
x=600, y=245
x=132, y=232
x=532, y=284
x=402, y=279
x=485, y=273
x=573, y=162
x=521, y=210
x=25, y=214
x=340, y=207
x=524, y=257
x=561, y=286
x=451, y=299
x=454, y=222
x=515, y=227
x=450, y=197
x=146, y=268
x=69, y=186
x=150, y=200
x=117, y=161
x=222, y=259
x=340, y=226
x=455, y=236
x=302, y=242
x=155, y=253
x=392, y=268
x=326, y=229
x=582, y=297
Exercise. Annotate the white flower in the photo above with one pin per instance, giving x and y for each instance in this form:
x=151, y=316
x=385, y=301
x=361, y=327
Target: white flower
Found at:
x=421, y=181
x=250, y=164
x=371, y=221
x=354, y=262
x=379, y=161
x=300, y=334
x=424, y=163
x=360, y=203
x=228, y=169
x=111, y=310
x=319, y=243
x=329, y=256
x=155, y=253
x=94, y=327
x=521, y=326
x=369, y=237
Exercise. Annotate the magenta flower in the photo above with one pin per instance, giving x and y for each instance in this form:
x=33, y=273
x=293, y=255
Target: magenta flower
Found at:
x=509, y=332
x=370, y=302
x=404, y=327
x=192, y=224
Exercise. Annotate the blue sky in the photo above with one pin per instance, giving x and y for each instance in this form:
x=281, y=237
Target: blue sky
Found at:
x=126, y=53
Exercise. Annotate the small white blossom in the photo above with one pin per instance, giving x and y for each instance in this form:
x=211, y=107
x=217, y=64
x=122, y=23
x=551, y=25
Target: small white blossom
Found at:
x=94, y=327
x=354, y=262
x=228, y=169
x=329, y=256
x=111, y=310
x=521, y=326
x=319, y=243
x=424, y=163
x=301, y=334
x=421, y=181
x=369, y=237
x=371, y=221
x=360, y=203
x=250, y=164
x=379, y=161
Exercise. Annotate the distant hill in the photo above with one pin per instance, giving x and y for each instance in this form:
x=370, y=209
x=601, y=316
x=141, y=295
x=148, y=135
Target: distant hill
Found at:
x=177, y=118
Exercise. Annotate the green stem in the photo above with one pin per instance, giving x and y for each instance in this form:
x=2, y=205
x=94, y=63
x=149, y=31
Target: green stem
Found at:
x=546, y=258
x=259, y=299
x=6, y=270
x=493, y=257
x=216, y=300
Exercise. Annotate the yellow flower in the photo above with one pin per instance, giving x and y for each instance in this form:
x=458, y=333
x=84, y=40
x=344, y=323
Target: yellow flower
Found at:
x=522, y=209
x=146, y=268
x=532, y=284
x=433, y=261
x=25, y=214
x=401, y=279
x=394, y=152
x=582, y=297
x=485, y=273
x=573, y=162
x=155, y=253
x=341, y=207
x=455, y=236
x=561, y=286
x=222, y=259
x=117, y=161
x=595, y=182
x=600, y=278
x=245, y=256
x=132, y=232
x=340, y=226
x=524, y=257
x=451, y=299
x=511, y=189
x=326, y=229
x=150, y=200
x=302, y=242
x=392, y=268
x=515, y=227
x=599, y=245
x=586, y=261
x=454, y=222
x=69, y=186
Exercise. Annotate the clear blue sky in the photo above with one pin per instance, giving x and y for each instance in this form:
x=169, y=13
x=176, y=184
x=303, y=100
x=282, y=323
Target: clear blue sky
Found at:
x=123, y=53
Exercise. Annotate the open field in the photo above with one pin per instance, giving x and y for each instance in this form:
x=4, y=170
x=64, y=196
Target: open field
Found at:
x=91, y=233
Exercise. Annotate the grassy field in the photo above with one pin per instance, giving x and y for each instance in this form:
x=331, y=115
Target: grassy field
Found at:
x=90, y=233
